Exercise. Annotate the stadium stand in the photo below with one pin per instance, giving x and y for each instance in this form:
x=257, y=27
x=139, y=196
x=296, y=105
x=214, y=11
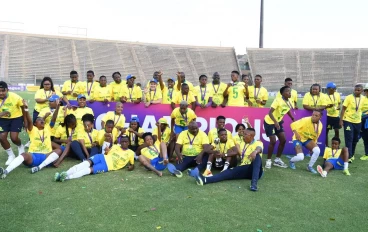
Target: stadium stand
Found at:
x=26, y=58
x=345, y=67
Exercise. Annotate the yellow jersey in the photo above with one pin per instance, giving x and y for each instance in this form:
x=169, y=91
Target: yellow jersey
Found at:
x=132, y=94
x=281, y=107
x=236, y=95
x=152, y=152
x=42, y=94
x=335, y=99
x=132, y=137
x=248, y=148
x=88, y=137
x=74, y=87
x=354, y=107
x=180, y=97
x=213, y=134
x=119, y=120
x=101, y=136
x=365, y=106
x=257, y=93
x=168, y=94
x=307, y=129
x=101, y=93
x=40, y=140
x=192, y=145
x=202, y=94
x=183, y=119
x=73, y=133
x=315, y=100
x=12, y=103
x=237, y=139
x=223, y=147
x=153, y=95
x=217, y=92
x=88, y=88
x=117, y=158
x=165, y=136
x=117, y=89
x=331, y=154
x=59, y=119
x=79, y=113
x=294, y=96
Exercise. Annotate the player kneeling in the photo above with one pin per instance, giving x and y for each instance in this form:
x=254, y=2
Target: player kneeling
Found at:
x=335, y=158
x=153, y=155
x=115, y=158
x=40, y=153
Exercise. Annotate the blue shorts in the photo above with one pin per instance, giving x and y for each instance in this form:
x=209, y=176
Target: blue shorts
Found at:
x=179, y=129
x=298, y=143
x=158, y=163
x=99, y=164
x=37, y=159
x=338, y=163
x=62, y=147
x=11, y=124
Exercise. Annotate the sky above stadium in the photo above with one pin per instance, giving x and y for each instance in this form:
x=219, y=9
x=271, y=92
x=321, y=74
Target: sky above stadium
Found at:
x=230, y=23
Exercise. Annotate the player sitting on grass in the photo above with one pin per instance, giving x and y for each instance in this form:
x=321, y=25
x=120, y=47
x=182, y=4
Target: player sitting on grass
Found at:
x=64, y=135
x=306, y=133
x=86, y=145
x=115, y=158
x=250, y=167
x=40, y=153
x=225, y=152
x=153, y=154
x=335, y=158
x=191, y=149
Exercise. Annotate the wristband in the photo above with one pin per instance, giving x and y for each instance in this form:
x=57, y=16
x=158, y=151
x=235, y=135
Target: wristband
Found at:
x=26, y=110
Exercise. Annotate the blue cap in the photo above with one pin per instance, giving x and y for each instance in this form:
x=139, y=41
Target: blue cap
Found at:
x=130, y=76
x=331, y=85
x=81, y=96
x=53, y=98
x=134, y=119
x=171, y=78
x=153, y=80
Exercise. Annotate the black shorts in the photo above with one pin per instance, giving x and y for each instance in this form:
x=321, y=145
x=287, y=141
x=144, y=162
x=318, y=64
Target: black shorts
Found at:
x=333, y=122
x=11, y=124
x=271, y=129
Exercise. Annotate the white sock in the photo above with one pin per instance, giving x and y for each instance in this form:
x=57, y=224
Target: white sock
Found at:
x=209, y=165
x=104, y=145
x=325, y=173
x=50, y=158
x=16, y=162
x=83, y=172
x=10, y=152
x=314, y=157
x=297, y=158
x=226, y=166
x=346, y=165
x=78, y=167
x=20, y=149
x=277, y=159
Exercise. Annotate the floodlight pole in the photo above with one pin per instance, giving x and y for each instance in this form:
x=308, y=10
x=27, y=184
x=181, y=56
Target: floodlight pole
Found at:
x=261, y=27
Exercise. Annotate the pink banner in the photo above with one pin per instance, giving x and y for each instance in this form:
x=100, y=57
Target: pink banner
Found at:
x=207, y=119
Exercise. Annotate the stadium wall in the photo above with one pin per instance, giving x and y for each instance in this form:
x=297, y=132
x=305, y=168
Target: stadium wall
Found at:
x=345, y=67
x=26, y=58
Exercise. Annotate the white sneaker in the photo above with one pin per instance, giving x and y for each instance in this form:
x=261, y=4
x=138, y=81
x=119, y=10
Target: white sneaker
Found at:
x=279, y=163
x=268, y=164
x=321, y=171
x=27, y=144
x=10, y=159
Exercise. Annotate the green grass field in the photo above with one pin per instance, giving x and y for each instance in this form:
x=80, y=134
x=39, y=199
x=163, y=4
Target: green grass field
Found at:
x=287, y=200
